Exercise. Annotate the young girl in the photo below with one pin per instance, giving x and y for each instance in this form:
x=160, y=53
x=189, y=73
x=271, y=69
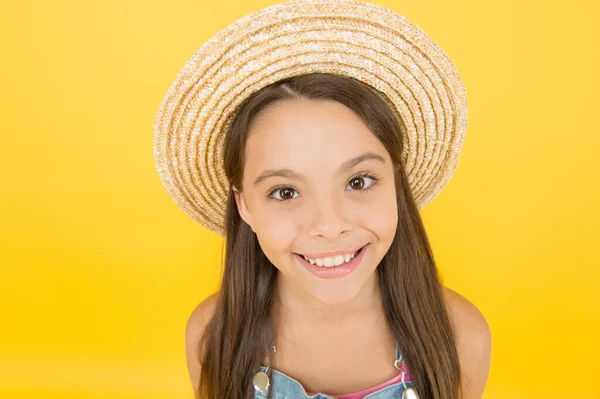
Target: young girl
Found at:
x=316, y=176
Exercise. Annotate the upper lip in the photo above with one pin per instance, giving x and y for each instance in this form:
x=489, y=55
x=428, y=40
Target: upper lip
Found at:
x=349, y=250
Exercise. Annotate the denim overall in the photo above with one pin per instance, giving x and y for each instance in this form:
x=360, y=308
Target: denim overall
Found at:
x=285, y=387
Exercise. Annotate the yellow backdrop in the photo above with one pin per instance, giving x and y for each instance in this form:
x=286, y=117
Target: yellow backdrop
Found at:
x=99, y=269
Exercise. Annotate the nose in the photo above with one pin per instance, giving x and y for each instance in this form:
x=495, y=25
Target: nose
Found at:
x=329, y=219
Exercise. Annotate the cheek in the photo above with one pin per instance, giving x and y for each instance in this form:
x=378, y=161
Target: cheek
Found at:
x=276, y=238
x=276, y=233
x=381, y=215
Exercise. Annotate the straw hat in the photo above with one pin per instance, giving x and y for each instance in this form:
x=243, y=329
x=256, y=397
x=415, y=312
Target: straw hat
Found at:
x=362, y=40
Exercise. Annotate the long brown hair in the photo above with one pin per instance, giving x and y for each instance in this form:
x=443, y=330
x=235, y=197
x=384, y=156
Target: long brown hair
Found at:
x=239, y=334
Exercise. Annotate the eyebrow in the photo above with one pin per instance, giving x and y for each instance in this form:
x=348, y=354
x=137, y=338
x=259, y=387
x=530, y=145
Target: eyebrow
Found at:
x=346, y=166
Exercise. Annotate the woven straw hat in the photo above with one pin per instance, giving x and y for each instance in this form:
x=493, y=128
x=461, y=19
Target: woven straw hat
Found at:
x=362, y=40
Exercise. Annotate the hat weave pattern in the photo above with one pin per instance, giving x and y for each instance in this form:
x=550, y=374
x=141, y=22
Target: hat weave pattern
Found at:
x=353, y=38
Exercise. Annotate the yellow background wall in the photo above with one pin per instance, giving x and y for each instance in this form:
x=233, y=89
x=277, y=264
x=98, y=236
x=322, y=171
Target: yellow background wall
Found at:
x=99, y=269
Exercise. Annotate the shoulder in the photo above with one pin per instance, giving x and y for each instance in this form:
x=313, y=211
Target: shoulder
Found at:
x=201, y=314
x=474, y=343
x=194, y=329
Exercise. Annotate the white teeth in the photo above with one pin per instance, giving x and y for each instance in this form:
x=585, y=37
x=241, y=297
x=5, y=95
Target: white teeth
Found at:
x=330, y=261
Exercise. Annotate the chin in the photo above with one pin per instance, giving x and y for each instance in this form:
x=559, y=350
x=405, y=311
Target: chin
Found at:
x=340, y=294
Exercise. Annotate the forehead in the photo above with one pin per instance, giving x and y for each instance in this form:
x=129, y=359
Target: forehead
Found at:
x=310, y=136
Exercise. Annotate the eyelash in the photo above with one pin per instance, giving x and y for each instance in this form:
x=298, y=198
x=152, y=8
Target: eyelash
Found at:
x=373, y=177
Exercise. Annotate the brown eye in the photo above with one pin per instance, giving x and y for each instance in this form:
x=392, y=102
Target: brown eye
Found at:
x=286, y=193
x=357, y=183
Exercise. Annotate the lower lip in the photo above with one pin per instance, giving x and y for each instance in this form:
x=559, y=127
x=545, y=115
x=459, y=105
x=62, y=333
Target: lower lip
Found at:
x=335, y=271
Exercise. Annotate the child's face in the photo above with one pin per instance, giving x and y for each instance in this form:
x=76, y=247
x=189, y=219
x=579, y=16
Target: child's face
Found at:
x=327, y=210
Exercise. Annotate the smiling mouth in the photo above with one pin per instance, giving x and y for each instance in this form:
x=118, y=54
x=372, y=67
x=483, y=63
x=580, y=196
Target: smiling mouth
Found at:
x=325, y=268
x=355, y=253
